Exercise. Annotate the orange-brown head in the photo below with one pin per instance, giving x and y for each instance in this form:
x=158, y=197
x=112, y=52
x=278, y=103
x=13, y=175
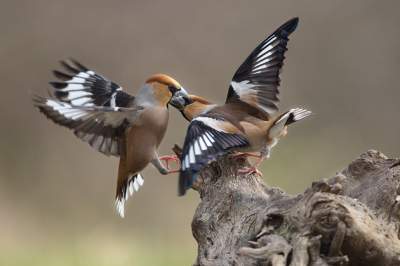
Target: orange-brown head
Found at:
x=167, y=90
x=195, y=106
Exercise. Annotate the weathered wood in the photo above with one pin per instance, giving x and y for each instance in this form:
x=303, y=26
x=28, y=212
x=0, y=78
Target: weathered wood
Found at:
x=349, y=219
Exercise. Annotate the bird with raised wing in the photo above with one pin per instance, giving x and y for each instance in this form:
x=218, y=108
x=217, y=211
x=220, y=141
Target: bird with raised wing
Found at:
x=114, y=122
x=245, y=123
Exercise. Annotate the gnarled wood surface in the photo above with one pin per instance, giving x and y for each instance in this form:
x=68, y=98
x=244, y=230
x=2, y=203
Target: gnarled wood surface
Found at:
x=349, y=219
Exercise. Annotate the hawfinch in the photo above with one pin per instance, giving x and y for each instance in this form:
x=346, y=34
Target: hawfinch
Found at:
x=244, y=123
x=114, y=122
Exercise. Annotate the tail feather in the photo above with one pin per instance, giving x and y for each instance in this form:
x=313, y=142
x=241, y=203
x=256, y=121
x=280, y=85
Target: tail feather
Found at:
x=291, y=116
x=297, y=114
x=125, y=190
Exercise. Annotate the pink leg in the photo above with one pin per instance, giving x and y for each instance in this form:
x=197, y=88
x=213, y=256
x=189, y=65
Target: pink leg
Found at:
x=252, y=169
x=247, y=154
x=167, y=159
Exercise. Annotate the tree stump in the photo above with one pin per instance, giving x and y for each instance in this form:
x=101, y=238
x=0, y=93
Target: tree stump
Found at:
x=349, y=219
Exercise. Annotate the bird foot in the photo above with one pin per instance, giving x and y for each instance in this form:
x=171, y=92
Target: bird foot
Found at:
x=240, y=155
x=167, y=159
x=250, y=170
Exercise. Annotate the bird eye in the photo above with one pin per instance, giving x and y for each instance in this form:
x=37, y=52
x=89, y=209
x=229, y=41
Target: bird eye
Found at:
x=172, y=89
x=188, y=100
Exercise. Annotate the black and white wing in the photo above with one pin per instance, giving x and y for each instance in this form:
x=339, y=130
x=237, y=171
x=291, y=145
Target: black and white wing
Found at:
x=100, y=126
x=97, y=109
x=80, y=86
x=257, y=79
x=207, y=138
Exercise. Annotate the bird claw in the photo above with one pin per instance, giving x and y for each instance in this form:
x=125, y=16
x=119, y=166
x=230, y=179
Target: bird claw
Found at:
x=239, y=155
x=167, y=159
x=250, y=170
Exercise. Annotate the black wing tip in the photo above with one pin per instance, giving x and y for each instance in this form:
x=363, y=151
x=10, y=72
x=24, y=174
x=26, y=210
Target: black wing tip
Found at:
x=73, y=66
x=38, y=101
x=290, y=26
x=181, y=192
x=61, y=75
x=58, y=84
x=78, y=64
x=181, y=186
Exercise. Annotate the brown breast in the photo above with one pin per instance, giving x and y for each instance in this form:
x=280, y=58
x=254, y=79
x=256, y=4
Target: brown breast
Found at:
x=145, y=136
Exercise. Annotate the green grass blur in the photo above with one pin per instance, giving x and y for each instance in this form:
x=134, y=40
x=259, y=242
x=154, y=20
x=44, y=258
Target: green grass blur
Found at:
x=112, y=252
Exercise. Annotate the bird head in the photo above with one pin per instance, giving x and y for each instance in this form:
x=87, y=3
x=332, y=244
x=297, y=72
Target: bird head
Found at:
x=168, y=91
x=194, y=106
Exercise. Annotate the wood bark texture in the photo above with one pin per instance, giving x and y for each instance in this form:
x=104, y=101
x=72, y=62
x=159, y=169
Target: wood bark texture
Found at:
x=352, y=218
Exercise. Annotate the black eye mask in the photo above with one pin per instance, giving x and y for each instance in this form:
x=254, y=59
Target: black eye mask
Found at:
x=172, y=89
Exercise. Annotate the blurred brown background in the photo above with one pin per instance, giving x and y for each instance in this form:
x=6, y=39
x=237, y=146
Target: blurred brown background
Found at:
x=56, y=193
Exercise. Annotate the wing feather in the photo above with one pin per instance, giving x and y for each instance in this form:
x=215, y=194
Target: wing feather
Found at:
x=256, y=81
x=94, y=107
x=100, y=126
x=82, y=86
x=207, y=138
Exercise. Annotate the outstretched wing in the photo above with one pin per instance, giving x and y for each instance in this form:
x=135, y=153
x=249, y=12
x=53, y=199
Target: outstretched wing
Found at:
x=207, y=138
x=100, y=126
x=257, y=79
x=81, y=86
x=97, y=109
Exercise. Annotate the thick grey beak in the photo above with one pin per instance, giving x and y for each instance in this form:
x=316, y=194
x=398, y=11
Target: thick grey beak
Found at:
x=180, y=99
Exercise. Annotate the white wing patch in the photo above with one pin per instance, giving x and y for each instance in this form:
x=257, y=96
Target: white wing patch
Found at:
x=246, y=88
x=83, y=87
x=211, y=122
x=191, y=155
x=77, y=92
x=94, y=107
x=93, y=124
x=257, y=79
x=242, y=88
x=113, y=101
x=203, y=142
x=66, y=110
x=197, y=147
x=207, y=140
x=69, y=111
x=203, y=145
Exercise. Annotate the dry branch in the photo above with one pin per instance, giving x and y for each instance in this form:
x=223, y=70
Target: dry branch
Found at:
x=349, y=219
